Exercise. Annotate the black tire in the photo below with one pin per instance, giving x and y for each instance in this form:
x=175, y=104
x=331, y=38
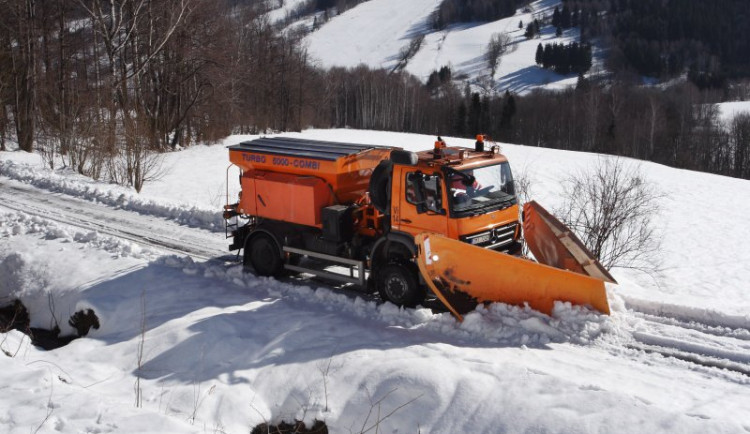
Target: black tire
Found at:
x=264, y=256
x=399, y=284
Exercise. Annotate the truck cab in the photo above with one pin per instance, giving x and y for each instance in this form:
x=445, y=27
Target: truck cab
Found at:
x=466, y=195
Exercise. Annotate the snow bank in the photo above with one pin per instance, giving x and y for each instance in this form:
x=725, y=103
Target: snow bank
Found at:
x=71, y=184
x=39, y=280
x=14, y=224
x=495, y=324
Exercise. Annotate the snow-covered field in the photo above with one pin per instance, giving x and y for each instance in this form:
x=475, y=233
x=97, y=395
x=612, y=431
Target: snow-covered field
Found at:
x=224, y=350
x=374, y=32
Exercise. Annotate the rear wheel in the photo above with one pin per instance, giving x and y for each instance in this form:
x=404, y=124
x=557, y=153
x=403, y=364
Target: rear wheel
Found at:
x=264, y=256
x=399, y=284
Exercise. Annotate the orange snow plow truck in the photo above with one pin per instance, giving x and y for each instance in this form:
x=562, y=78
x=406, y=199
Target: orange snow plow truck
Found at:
x=402, y=223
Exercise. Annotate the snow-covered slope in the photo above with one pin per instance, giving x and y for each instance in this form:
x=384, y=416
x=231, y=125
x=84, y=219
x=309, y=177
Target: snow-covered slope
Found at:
x=225, y=350
x=728, y=110
x=374, y=32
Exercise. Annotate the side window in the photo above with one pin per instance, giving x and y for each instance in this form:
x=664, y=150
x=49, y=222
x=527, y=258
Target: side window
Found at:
x=411, y=188
x=424, y=191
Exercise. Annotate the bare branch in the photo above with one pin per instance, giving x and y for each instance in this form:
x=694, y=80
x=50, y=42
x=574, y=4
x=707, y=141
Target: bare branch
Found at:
x=612, y=209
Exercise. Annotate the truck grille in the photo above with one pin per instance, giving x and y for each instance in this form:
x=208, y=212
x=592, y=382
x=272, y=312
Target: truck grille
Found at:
x=495, y=238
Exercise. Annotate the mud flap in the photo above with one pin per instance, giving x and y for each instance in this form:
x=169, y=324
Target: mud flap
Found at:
x=463, y=276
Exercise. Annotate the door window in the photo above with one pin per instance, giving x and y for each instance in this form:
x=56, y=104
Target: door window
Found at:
x=424, y=191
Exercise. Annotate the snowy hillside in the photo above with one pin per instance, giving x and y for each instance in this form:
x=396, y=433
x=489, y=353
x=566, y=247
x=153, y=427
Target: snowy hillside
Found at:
x=223, y=350
x=728, y=110
x=374, y=32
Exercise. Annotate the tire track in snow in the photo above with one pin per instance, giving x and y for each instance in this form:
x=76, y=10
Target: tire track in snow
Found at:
x=691, y=341
x=141, y=229
x=737, y=333
x=695, y=358
x=700, y=336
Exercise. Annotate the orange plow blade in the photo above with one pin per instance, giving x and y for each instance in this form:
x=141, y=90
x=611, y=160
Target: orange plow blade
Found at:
x=463, y=276
x=554, y=244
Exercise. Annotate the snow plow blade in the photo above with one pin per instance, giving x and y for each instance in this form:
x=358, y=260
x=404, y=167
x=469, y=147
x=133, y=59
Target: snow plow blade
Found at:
x=463, y=276
x=554, y=244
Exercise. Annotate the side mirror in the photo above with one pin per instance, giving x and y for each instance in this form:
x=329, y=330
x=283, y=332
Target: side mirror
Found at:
x=420, y=190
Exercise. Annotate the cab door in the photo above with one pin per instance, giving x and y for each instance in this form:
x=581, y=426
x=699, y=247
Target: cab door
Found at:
x=422, y=202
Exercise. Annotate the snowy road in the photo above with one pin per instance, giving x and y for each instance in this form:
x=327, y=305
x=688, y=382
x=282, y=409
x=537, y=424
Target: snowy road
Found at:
x=143, y=229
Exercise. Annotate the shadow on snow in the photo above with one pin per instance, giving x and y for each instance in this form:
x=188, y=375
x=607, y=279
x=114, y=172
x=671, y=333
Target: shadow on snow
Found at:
x=233, y=328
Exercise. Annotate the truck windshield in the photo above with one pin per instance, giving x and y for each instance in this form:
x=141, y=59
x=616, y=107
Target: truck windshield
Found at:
x=481, y=190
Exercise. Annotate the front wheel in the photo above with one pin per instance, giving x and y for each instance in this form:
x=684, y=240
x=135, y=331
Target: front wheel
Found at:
x=399, y=284
x=264, y=256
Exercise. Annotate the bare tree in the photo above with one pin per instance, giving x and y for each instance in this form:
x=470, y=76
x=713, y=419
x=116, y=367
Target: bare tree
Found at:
x=136, y=163
x=612, y=209
x=132, y=34
x=740, y=133
x=20, y=23
x=498, y=45
x=5, y=78
x=407, y=52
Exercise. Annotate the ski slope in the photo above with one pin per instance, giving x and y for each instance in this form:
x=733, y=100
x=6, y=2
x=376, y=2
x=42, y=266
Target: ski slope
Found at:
x=374, y=32
x=225, y=350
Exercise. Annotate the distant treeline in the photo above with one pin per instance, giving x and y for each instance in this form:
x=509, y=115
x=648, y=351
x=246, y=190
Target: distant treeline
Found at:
x=679, y=126
x=708, y=40
x=564, y=59
x=662, y=38
x=464, y=11
x=104, y=88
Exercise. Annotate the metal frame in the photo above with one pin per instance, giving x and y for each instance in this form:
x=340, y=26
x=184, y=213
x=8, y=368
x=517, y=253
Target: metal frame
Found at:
x=350, y=263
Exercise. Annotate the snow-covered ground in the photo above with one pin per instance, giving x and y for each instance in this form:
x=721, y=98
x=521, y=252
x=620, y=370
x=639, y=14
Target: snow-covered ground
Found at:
x=728, y=110
x=286, y=8
x=374, y=32
x=224, y=350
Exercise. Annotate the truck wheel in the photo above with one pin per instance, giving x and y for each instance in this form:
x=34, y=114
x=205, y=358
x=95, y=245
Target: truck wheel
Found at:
x=399, y=284
x=264, y=256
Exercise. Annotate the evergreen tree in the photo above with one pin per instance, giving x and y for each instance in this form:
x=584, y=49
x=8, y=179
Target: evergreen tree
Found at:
x=530, y=31
x=539, y=54
x=433, y=81
x=556, y=17
x=564, y=59
x=460, y=122
x=547, y=56
x=475, y=114
x=509, y=110
x=565, y=21
x=520, y=25
x=445, y=74
x=558, y=31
